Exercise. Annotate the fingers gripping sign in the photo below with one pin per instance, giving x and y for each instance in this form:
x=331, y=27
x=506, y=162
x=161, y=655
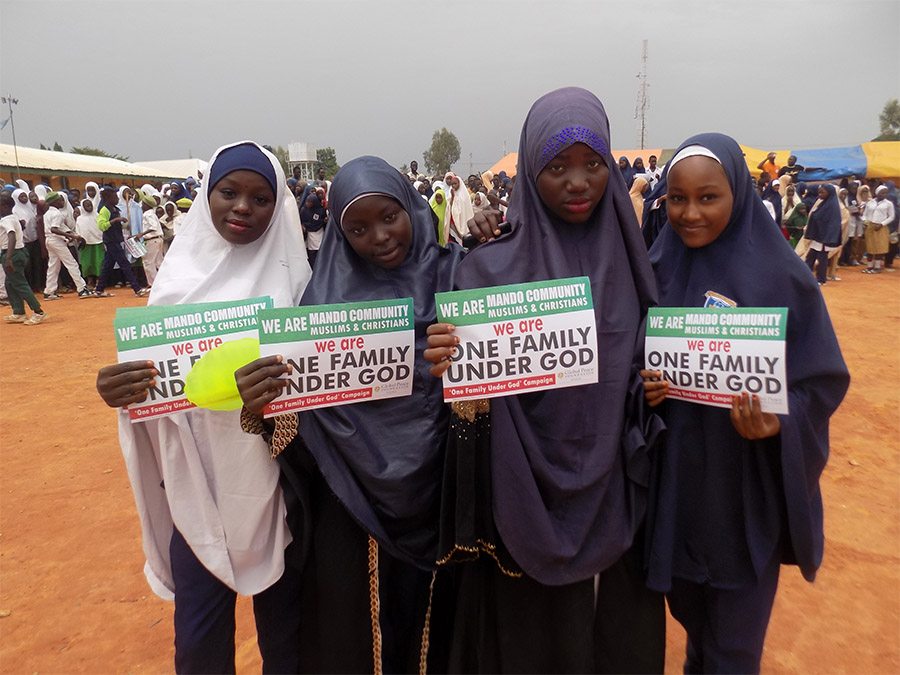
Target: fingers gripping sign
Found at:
x=655, y=388
x=442, y=345
x=259, y=382
x=750, y=421
x=125, y=383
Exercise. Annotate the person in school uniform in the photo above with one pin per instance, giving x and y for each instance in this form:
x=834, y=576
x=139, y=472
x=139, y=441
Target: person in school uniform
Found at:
x=214, y=518
x=735, y=491
x=14, y=258
x=58, y=235
x=370, y=471
x=545, y=493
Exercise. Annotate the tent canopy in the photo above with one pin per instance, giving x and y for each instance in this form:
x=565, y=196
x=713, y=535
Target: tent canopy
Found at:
x=177, y=168
x=36, y=161
x=880, y=159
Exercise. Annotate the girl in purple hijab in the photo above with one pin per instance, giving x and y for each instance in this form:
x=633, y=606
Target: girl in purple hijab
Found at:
x=550, y=487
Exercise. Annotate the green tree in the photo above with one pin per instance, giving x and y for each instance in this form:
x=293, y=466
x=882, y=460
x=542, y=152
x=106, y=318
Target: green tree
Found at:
x=890, y=121
x=95, y=152
x=404, y=169
x=328, y=160
x=444, y=151
x=283, y=157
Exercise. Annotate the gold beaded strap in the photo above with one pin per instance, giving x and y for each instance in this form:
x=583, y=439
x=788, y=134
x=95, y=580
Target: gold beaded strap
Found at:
x=251, y=423
x=286, y=427
x=426, y=630
x=467, y=410
x=375, y=606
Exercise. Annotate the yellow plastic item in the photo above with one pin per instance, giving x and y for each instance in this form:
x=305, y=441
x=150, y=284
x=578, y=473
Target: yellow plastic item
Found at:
x=210, y=383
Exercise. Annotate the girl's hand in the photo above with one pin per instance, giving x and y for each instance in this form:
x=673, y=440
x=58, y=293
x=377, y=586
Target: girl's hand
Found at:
x=655, y=388
x=258, y=382
x=441, y=346
x=485, y=225
x=126, y=383
x=750, y=421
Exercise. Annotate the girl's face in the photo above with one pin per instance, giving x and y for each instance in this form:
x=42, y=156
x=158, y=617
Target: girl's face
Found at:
x=699, y=200
x=573, y=183
x=379, y=230
x=241, y=205
x=90, y=191
x=170, y=209
x=438, y=198
x=87, y=206
x=23, y=198
x=823, y=193
x=790, y=191
x=160, y=212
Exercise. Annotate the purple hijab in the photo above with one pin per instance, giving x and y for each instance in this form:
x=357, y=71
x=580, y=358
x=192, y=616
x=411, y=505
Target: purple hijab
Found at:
x=568, y=475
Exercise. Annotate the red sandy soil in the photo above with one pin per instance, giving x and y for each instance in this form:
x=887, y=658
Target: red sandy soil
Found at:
x=73, y=597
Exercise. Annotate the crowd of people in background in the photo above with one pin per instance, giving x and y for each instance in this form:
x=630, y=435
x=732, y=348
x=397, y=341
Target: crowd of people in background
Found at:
x=74, y=243
x=67, y=235
x=848, y=224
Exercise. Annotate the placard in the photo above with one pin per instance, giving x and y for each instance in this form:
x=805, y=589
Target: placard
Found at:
x=520, y=338
x=340, y=354
x=174, y=337
x=709, y=355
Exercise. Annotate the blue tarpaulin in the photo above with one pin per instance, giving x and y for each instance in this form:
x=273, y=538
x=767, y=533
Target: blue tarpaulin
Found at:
x=831, y=163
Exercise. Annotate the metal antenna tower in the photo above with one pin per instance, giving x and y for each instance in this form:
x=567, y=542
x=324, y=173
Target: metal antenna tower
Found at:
x=640, y=109
x=10, y=101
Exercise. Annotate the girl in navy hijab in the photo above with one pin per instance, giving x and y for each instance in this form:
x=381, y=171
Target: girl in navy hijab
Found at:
x=823, y=230
x=736, y=491
x=565, y=483
x=372, y=469
x=313, y=217
x=627, y=171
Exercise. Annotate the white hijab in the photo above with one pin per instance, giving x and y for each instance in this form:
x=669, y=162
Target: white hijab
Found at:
x=221, y=487
x=95, y=200
x=460, y=206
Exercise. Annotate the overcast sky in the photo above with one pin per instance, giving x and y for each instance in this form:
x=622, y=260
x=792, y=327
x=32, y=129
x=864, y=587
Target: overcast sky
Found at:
x=166, y=80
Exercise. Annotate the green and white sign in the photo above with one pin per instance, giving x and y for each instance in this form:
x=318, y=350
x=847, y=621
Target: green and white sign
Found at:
x=709, y=355
x=340, y=354
x=520, y=338
x=174, y=337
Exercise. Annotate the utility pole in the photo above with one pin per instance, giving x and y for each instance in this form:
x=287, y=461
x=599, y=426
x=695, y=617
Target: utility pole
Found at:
x=10, y=101
x=470, y=163
x=640, y=110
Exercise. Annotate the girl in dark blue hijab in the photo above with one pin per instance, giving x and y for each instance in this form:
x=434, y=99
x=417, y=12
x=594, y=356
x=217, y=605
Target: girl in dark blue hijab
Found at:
x=736, y=492
x=627, y=171
x=823, y=230
x=560, y=485
x=369, y=473
x=312, y=217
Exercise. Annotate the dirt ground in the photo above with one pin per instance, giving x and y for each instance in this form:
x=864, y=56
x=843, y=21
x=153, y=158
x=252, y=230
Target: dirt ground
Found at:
x=73, y=597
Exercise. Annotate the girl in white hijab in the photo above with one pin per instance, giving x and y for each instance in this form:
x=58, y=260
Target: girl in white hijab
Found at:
x=460, y=207
x=208, y=495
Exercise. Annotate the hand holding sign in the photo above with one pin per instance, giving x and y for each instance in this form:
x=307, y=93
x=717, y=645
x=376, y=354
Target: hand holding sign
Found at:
x=441, y=347
x=259, y=382
x=126, y=383
x=750, y=421
x=655, y=388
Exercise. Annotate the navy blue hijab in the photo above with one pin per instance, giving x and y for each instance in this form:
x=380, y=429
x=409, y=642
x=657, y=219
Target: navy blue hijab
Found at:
x=308, y=214
x=726, y=507
x=771, y=195
x=568, y=474
x=384, y=459
x=824, y=223
x=628, y=172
